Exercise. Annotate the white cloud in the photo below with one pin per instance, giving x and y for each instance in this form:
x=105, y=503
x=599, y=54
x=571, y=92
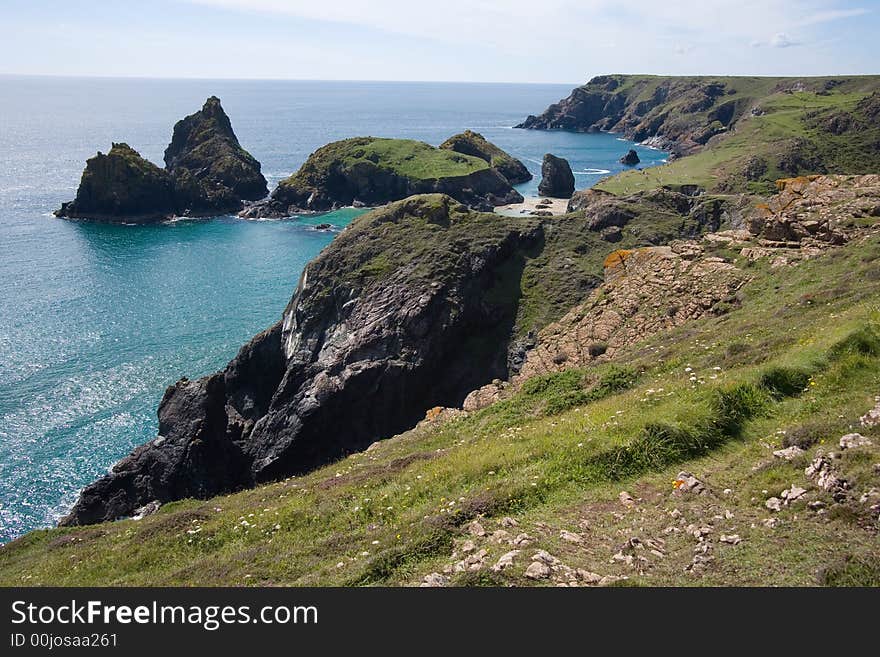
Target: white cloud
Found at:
x=782, y=40
x=832, y=15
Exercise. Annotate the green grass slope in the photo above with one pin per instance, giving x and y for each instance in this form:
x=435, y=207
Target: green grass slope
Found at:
x=798, y=364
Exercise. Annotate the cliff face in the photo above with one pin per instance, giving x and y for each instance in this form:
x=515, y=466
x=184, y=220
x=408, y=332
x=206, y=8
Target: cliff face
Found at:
x=122, y=184
x=409, y=308
x=207, y=172
x=473, y=143
x=370, y=171
x=681, y=114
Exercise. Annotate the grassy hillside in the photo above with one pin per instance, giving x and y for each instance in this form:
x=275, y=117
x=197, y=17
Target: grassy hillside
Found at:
x=406, y=157
x=797, y=364
x=789, y=137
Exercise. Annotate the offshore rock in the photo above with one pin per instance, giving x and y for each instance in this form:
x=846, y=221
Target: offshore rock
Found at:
x=557, y=180
x=371, y=171
x=212, y=172
x=122, y=184
x=631, y=158
x=207, y=172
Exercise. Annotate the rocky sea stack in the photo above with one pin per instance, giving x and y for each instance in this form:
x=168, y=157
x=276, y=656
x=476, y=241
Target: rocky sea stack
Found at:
x=206, y=172
x=557, y=180
x=473, y=143
x=211, y=171
x=122, y=185
x=373, y=171
x=631, y=158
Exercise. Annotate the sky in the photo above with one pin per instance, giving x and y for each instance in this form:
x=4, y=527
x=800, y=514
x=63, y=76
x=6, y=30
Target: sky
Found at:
x=559, y=41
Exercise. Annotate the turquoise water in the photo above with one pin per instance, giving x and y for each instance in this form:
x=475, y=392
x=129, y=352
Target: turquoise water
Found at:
x=96, y=320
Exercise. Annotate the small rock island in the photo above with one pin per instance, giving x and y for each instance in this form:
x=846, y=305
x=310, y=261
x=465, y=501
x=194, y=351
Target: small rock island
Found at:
x=206, y=173
x=557, y=180
x=631, y=158
x=371, y=171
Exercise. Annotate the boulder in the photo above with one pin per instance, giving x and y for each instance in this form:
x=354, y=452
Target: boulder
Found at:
x=631, y=158
x=557, y=180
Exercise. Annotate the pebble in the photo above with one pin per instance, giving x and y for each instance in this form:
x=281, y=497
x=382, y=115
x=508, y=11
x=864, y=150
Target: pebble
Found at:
x=774, y=504
x=476, y=529
x=732, y=539
x=789, y=453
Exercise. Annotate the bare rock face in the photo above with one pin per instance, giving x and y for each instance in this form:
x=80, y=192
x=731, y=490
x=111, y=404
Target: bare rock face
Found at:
x=557, y=180
x=816, y=211
x=376, y=333
x=646, y=291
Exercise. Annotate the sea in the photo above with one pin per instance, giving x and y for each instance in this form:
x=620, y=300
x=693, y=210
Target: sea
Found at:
x=97, y=320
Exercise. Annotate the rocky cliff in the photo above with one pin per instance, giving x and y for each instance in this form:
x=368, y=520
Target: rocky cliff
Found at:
x=207, y=172
x=473, y=143
x=371, y=171
x=410, y=307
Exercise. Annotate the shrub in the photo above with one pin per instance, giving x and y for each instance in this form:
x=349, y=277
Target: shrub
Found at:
x=596, y=349
x=783, y=381
x=863, y=341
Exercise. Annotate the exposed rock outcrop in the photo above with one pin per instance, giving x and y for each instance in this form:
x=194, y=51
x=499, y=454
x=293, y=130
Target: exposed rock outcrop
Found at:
x=646, y=291
x=378, y=331
x=473, y=143
x=122, y=184
x=371, y=171
x=816, y=211
x=557, y=180
x=631, y=158
x=207, y=172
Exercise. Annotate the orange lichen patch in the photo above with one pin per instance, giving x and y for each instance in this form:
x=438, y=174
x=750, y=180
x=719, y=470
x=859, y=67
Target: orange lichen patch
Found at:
x=795, y=184
x=617, y=258
x=433, y=413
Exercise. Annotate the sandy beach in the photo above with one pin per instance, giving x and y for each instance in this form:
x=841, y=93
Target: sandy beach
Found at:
x=534, y=206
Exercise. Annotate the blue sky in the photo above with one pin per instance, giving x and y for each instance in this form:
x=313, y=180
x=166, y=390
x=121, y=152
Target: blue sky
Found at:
x=464, y=40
